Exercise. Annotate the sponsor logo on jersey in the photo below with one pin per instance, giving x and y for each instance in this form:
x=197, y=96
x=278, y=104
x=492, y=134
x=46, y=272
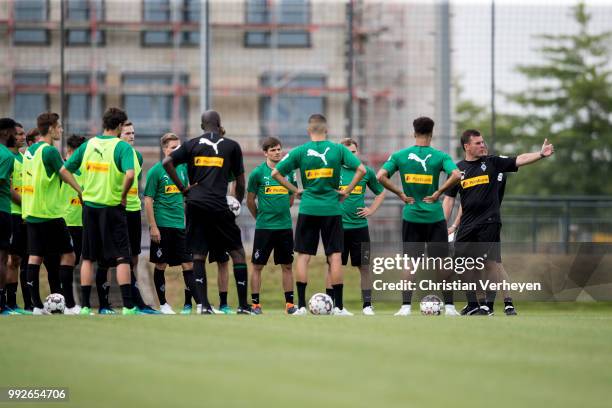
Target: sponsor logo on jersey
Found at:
x=423, y=162
x=96, y=167
x=319, y=173
x=76, y=201
x=27, y=189
x=205, y=161
x=133, y=191
x=474, y=181
x=275, y=190
x=357, y=190
x=171, y=189
x=321, y=156
x=418, y=178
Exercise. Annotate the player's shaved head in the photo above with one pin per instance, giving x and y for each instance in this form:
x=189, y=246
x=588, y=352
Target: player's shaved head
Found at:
x=211, y=121
x=317, y=124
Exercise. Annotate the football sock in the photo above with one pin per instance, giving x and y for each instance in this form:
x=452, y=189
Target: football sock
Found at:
x=25, y=289
x=447, y=296
x=188, y=277
x=289, y=297
x=137, y=298
x=241, y=276
x=470, y=295
x=160, y=285
x=338, y=295
x=330, y=293
x=102, y=287
x=126, y=295
x=301, y=289
x=406, y=297
x=490, y=297
x=2, y=298
x=366, y=296
x=52, y=267
x=255, y=298
x=11, y=294
x=66, y=273
x=85, y=294
x=222, y=299
x=508, y=301
x=482, y=301
x=201, y=290
x=33, y=282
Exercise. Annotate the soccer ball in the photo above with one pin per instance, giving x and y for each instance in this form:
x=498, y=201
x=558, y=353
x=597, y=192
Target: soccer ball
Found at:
x=55, y=303
x=320, y=304
x=234, y=205
x=431, y=305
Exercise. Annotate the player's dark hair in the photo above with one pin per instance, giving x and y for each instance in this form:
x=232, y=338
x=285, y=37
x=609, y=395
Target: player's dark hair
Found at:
x=74, y=141
x=113, y=118
x=46, y=121
x=423, y=125
x=31, y=136
x=128, y=123
x=467, y=135
x=167, y=138
x=270, y=142
x=7, y=123
x=17, y=124
x=347, y=141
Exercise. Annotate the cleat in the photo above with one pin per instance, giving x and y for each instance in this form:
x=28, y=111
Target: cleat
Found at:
x=208, y=310
x=290, y=308
x=86, y=311
x=106, y=311
x=7, y=311
x=166, y=309
x=368, y=311
x=509, y=310
x=40, y=311
x=129, y=312
x=470, y=310
x=256, y=309
x=245, y=310
x=225, y=309
x=405, y=310
x=300, y=312
x=22, y=311
x=148, y=310
x=449, y=310
x=341, y=312
x=484, y=311
x=75, y=310
x=186, y=310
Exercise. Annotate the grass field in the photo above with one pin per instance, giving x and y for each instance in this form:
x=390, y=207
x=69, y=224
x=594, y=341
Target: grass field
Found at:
x=551, y=355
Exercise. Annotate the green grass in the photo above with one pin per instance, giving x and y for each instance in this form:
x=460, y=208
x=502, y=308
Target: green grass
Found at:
x=551, y=355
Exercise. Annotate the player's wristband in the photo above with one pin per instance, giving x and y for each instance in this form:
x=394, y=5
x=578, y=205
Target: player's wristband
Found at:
x=542, y=155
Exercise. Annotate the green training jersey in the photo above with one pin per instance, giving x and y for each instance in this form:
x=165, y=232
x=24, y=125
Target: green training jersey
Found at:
x=73, y=207
x=17, y=181
x=133, y=198
x=419, y=168
x=7, y=162
x=273, y=200
x=356, y=200
x=103, y=161
x=40, y=200
x=319, y=164
x=168, y=206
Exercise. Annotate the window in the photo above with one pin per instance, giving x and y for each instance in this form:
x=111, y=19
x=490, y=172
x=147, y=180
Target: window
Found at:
x=84, y=10
x=31, y=99
x=191, y=14
x=148, y=99
x=83, y=107
x=156, y=11
x=31, y=11
x=285, y=12
x=285, y=116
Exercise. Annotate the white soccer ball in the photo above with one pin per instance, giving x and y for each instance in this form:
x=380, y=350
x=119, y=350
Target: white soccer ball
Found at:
x=320, y=304
x=55, y=303
x=431, y=305
x=234, y=205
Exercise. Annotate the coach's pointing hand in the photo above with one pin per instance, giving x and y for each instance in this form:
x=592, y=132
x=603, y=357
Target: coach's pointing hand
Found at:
x=547, y=149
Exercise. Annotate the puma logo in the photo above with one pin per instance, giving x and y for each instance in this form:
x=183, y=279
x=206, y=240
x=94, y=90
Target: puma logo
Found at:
x=414, y=157
x=321, y=156
x=214, y=145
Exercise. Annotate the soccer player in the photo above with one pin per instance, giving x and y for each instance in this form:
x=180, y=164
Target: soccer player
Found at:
x=7, y=159
x=165, y=213
x=320, y=162
x=273, y=229
x=423, y=222
x=42, y=210
x=106, y=164
x=480, y=202
x=355, y=224
x=211, y=226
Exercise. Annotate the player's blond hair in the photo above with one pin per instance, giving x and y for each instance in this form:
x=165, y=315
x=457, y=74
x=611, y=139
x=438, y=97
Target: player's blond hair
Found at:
x=167, y=138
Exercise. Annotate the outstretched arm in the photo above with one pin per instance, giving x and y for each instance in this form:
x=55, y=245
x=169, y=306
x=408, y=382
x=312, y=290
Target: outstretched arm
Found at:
x=527, y=158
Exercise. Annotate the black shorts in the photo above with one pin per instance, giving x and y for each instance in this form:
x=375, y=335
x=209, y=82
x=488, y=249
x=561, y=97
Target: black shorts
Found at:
x=218, y=255
x=5, y=230
x=49, y=238
x=266, y=240
x=355, y=239
x=19, y=235
x=211, y=231
x=76, y=233
x=309, y=227
x=134, y=231
x=105, y=233
x=172, y=248
x=425, y=238
x=479, y=241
